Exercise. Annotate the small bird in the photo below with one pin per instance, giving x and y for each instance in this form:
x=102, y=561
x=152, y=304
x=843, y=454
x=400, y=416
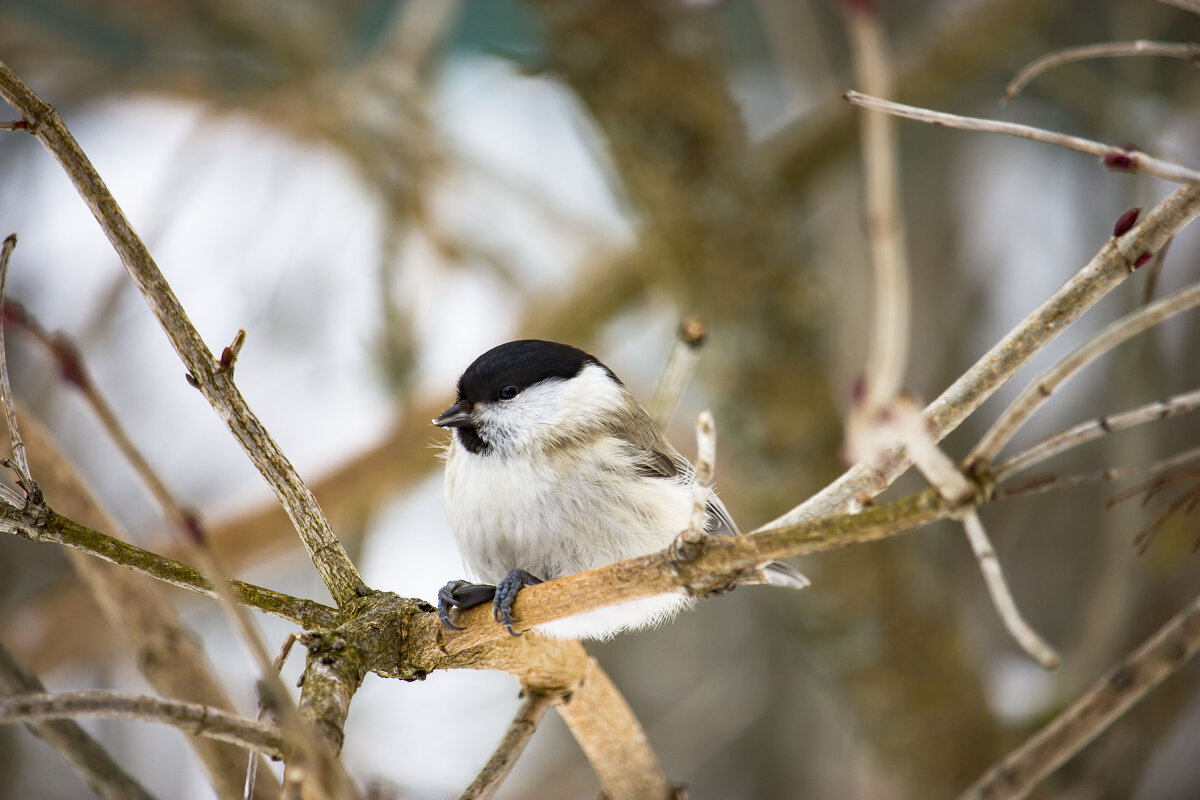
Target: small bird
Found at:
x=553, y=468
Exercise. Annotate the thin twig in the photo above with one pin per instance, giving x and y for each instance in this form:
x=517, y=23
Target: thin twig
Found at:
x=1107, y=270
x=216, y=383
x=1141, y=47
x=511, y=746
x=1002, y=598
x=706, y=456
x=908, y=427
x=1041, y=389
x=85, y=755
x=20, y=461
x=1110, y=697
x=1117, y=159
x=1095, y=429
x=192, y=718
x=887, y=354
x=252, y=763
x=1047, y=483
x=690, y=336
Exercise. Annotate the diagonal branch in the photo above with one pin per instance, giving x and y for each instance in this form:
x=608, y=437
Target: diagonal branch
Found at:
x=520, y=731
x=1107, y=270
x=1036, y=394
x=1088, y=431
x=1110, y=697
x=213, y=380
x=45, y=525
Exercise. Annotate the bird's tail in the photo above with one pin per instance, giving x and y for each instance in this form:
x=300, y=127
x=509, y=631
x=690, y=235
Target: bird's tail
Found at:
x=779, y=574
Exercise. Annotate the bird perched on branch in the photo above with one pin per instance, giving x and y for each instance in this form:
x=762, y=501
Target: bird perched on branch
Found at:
x=553, y=468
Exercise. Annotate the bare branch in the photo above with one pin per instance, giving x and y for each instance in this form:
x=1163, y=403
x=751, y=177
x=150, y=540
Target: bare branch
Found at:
x=85, y=755
x=1141, y=47
x=192, y=718
x=888, y=350
x=1117, y=159
x=1107, y=270
x=1110, y=697
x=690, y=336
x=20, y=462
x=1094, y=429
x=529, y=716
x=1046, y=483
x=1040, y=390
x=47, y=526
x=1002, y=598
x=215, y=382
x=706, y=459
x=1187, y=5
x=908, y=427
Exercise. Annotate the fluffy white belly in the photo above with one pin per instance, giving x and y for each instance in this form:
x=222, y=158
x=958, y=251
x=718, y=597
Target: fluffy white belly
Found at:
x=555, y=519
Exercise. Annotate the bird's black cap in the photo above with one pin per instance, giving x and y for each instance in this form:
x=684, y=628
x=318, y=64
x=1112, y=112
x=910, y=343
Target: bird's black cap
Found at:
x=521, y=364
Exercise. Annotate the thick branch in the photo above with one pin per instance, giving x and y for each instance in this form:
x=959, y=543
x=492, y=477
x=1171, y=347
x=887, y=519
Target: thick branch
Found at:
x=718, y=559
x=213, y=380
x=191, y=718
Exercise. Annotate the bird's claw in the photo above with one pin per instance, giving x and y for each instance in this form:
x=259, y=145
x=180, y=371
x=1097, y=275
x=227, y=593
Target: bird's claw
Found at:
x=462, y=594
x=506, y=595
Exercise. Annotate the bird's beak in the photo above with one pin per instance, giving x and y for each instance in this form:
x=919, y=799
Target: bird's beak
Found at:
x=453, y=417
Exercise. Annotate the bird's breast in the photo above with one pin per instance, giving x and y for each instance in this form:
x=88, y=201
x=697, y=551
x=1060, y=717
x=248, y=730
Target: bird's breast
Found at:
x=558, y=513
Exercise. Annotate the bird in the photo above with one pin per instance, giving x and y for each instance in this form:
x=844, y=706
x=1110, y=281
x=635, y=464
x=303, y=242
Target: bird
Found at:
x=553, y=468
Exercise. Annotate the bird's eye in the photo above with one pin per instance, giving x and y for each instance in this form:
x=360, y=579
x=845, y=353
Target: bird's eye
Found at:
x=509, y=392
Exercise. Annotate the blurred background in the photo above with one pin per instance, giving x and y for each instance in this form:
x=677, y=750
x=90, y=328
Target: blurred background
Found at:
x=378, y=191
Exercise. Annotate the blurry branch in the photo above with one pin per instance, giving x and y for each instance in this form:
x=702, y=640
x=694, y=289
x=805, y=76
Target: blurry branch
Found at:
x=1040, y=390
x=529, y=716
x=887, y=354
x=681, y=364
x=1186, y=5
x=957, y=42
x=1108, y=268
x=252, y=762
x=74, y=370
x=706, y=459
x=214, y=381
x=1185, y=502
x=150, y=629
x=43, y=524
x=1117, y=159
x=1095, y=429
x=906, y=425
x=1047, y=483
x=84, y=754
x=1185, y=51
x=192, y=718
x=1110, y=697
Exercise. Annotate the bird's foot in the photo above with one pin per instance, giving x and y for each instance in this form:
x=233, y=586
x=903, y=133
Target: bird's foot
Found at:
x=462, y=594
x=506, y=595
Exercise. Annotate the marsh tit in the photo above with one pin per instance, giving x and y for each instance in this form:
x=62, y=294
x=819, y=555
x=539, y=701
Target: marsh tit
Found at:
x=553, y=468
